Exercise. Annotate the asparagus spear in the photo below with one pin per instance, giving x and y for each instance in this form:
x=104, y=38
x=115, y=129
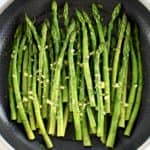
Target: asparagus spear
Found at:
x=91, y=31
x=19, y=65
x=20, y=107
x=47, y=71
x=29, y=78
x=65, y=118
x=134, y=82
x=37, y=105
x=51, y=54
x=20, y=58
x=41, y=42
x=24, y=79
x=34, y=31
x=65, y=95
x=91, y=118
x=12, y=103
x=123, y=101
x=29, y=89
x=93, y=43
x=114, y=15
x=78, y=65
x=81, y=90
x=114, y=40
x=60, y=122
x=86, y=136
x=97, y=77
x=55, y=32
x=41, y=57
x=25, y=74
x=100, y=103
x=66, y=14
x=140, y=86
x=46, y=86
x=64, y=72
x=117, y=55
x=78, y=57
x=97, y=18
x=84, y=121
x=56, y=81
x=86, y=67
x=72, y=74
x=121, y=78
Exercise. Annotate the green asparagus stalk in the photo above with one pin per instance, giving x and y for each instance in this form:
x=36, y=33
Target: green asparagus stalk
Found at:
x=46, y=86
x=134, y=82
x=114, y=15
x=12, y=103
x=41, y=42
x=66, y=14
x=121, y=78
x=90, y=115
x=60, y=128
x=55, y=31
x=65, y=118
x=56, y=81
x=83, y=102
x=117, y=55
x=91, y=119
x=34, y=31
x=137, y=103
x=100, y=102
x=74, y=96
x=70, y=98
x=29, y=78
x=78, y=64
x=84, y=121
x=29, y=89
x=97, y=18
x=96, y=58
x=86, y=136
x=64, y=72
x=81, y=89
x=25, y=79
x=105, y=31
x=51, y=53
x=41, y=57
x=19, y=65
x=17, y=93
x=78, y=57
x=36, y=104
x=86, y=67
x=91, y=31
x=114, y=41
x=122, y=118
x=20, y=58
x=25, y=74
x=65, y=95
x=47, y=71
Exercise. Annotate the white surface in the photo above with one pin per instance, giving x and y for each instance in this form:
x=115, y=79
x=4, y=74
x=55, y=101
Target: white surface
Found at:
x=3, y=144
x=146, y=3
x=4, y=4
x=145, y=146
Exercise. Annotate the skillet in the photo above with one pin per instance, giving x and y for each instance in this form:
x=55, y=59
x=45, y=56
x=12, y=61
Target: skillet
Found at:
x=39, y=9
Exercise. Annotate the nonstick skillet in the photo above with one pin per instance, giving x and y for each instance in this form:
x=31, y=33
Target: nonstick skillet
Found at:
x=39, y=9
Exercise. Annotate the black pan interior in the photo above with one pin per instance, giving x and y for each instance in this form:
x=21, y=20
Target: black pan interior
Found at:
x=13, y=132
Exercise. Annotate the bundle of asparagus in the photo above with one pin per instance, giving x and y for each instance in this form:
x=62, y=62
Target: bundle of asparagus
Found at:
x=76, y=73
